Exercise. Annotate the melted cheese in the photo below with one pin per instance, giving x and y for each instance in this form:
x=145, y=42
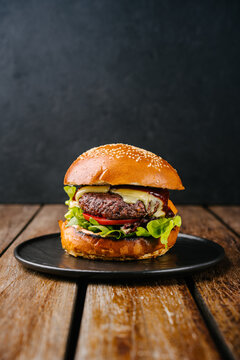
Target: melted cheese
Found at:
x=90, y=189
x=131, y=196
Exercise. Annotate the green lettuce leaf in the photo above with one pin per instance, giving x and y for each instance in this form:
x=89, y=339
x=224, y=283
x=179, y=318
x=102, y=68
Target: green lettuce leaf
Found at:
x=74, y=216
x=93, y=221
x=76, y=221
x=142, y=232
x=104, y=231
x=70, y=190
x=75, y=211
x=160, y=228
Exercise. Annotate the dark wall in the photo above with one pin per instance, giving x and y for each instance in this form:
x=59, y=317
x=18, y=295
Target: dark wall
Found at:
x=162, y=75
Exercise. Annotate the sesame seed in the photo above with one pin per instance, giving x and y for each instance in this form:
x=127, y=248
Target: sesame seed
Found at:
x=122, y=151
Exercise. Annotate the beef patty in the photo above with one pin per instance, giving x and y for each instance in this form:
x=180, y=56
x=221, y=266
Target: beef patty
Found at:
x=111, y=206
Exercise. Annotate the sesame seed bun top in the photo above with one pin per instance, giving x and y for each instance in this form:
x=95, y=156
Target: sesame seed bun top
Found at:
x=121, y=164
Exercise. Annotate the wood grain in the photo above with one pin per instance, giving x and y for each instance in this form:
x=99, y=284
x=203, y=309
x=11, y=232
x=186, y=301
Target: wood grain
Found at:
x=13, y=218
x=35, y=310
x=218, y=288
x=154, y=321
x=230, y=215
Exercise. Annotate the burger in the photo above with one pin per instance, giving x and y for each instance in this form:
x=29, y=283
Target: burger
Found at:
x=119, y=206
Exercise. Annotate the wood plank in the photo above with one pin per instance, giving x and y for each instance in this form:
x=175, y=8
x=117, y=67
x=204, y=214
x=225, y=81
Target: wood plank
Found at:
x=230, y=215
x=13, y=218
x=218, y=288
x=35, y=310
x=158, y=320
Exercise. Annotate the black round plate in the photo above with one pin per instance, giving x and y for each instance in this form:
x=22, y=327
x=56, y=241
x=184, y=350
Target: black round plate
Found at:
x=190, y=253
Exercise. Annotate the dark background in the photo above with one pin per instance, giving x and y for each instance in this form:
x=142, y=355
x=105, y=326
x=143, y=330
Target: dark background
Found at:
x=162, y=75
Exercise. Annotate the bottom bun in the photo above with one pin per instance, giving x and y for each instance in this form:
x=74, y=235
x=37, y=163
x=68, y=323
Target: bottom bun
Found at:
x=81, y=242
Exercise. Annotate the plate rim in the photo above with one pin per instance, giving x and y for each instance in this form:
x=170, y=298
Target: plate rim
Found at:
x=67, y=272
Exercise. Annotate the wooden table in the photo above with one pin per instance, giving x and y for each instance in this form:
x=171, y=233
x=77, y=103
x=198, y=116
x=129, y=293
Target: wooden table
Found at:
x=195, y=317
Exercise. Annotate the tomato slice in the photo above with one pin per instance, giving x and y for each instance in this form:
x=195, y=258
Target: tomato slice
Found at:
x=104, y=221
